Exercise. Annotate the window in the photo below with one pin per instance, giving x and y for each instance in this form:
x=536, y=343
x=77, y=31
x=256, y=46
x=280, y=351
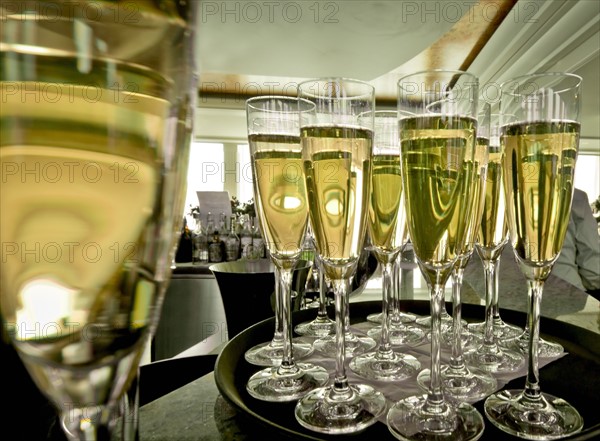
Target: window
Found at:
x=219, y=167
x=587, y=175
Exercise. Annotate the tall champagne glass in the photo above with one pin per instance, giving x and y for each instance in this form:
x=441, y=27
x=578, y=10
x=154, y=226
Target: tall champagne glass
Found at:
x=96, y=124
x=493, y=234
x=462, y=382
x=389, y=235
x=492, y=355
x=436, y=144
x=337, y=148
x=282, y=208
x=541, y=145
x=387, y=226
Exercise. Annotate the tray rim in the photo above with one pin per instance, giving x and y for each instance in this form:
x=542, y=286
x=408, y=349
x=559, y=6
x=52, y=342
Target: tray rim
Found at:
x=591, y=351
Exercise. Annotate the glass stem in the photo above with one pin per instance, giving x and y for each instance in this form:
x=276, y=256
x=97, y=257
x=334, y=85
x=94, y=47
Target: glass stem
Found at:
x=322, y=313
x=495, y=298
x=532, y=387
x=285, y=280
x=490, y=268
x=395, y=288
x=385, y=348
x=278, y=334
x=435, y=397
x=456, y=359
x=341, y=389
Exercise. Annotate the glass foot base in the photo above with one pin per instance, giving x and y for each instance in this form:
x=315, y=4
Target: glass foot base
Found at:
x=401, y=317
x=495, y=360
x=354, y=344
x=400, y=335
x=446, y=321
x=545, y=419
x=317, y=411
x=408, y=420
x=268, y=354
x=461, y=385
x=319, y=327
x=385, y=367
x=546, y=349
x=502, y=330
x=271, y=385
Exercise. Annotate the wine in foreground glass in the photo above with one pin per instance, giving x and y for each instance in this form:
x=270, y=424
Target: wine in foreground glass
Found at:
x=337, y=149
x=436, y=146
x=280, y=195
x=97, y=131
x=540, y=143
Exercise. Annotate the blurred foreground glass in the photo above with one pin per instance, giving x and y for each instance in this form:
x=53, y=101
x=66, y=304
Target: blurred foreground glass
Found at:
x=97, y=112
x=282, y=207
x=337, y=151
x=540, y=136
x=437, y=148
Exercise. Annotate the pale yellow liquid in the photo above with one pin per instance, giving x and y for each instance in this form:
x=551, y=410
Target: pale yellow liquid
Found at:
x=337, y=167
x=539, y=165
x=280, y=192
x=492, y=233
x=474, y=202
x=80, y=186
x=387, y=217
x=435, y=154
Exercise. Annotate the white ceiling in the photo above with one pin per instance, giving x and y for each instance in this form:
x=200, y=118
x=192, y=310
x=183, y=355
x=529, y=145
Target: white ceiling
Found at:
x=372, y=38
x=356, y=39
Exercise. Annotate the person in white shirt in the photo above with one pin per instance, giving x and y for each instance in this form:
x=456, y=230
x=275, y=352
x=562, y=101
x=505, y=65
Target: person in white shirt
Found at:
x=579, y=260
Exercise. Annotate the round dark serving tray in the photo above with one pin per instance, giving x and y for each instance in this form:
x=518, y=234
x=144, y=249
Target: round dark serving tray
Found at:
x=574, y=377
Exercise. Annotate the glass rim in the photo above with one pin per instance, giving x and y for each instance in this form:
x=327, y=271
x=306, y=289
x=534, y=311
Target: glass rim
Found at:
x=249, y=104
x=519, y=79
x=325, y=80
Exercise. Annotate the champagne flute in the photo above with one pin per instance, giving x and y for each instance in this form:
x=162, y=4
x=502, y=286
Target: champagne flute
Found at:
x=493, y=355
x=282, y=208
x=435, y=144
x=462, y=382
x=540, y=145
x=493, y=233
x=337, y=150
x=102, y=127
x=387, y=226
x=389, y=235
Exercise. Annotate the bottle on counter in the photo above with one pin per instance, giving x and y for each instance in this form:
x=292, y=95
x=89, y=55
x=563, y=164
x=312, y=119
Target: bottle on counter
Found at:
x=246, y=238
x=200, y=242
x=258, y=243
x=232, y=242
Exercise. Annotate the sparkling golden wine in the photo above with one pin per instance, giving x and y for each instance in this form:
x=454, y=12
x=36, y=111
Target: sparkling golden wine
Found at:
x=81, y=183
x=387, y=217
x=493, y=229
x=437, y=159
x=476, y=195
x=539, y=164
x=280, y=192
x=338, y=171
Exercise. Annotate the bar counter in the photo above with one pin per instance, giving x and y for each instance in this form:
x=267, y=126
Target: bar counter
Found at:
x=198, y=411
